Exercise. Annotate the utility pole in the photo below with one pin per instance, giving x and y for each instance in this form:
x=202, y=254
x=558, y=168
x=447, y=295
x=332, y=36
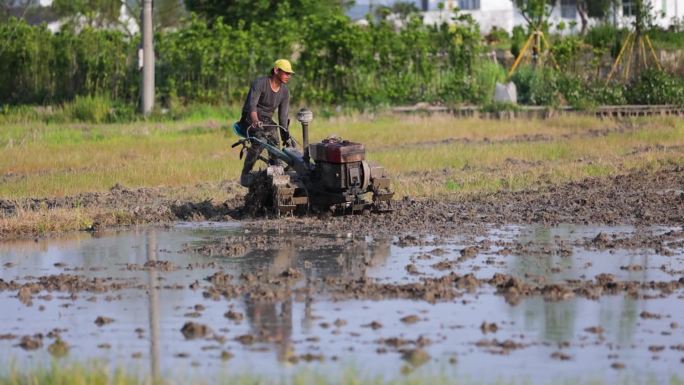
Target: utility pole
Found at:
x=148, y=59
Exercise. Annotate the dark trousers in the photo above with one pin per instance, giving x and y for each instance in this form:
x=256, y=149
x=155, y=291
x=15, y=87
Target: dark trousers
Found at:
x=268, y=134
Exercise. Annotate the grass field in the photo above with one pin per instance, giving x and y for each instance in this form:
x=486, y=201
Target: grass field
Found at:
x=465, y=156
x=97, y=374
x=436, y=156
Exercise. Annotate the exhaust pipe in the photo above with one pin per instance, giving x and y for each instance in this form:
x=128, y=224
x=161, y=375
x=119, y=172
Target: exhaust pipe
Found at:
x=305, y=116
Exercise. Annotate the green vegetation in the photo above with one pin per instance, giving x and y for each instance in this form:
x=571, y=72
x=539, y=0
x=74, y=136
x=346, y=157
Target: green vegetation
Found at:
x=437, y=156
x=339, y=62
x=67, y=159
x=95, y=374
x=99, y=374
x=91, y=74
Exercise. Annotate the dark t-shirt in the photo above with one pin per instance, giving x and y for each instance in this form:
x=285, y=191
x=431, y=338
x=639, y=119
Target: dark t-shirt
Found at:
x=262, y=99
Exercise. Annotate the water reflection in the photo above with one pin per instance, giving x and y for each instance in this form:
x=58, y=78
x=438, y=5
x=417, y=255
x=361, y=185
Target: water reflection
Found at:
x=292, y=325
x=272, y=321
x=562, y=321
x=153, y=297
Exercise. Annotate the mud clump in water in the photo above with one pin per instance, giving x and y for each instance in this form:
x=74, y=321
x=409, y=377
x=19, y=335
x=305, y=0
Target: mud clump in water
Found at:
x=375, y=325
x=64, y=283
x=468, y=253
x=193, y=330
x=560, y=356
x=234, y=315
x=410, y=319
x=160, y=265
x=101, y=321
x=25, y=295
x=31, y=342
x=246, y=339
x=58, y=348
x=499, y=347
x=488, y=327
x=234, y=246
x=415, y=357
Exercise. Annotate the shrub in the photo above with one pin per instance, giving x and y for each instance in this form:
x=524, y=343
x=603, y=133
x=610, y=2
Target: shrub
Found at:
x=606, y=37
x=566, y=51
x=536, y=87
x=574, y=91
x=518, y=38
x=92, y=109
x=486, y=75
x=608, y=94
x=667, y=39
x=497, y=36
x=656, y=87
x=18, y=114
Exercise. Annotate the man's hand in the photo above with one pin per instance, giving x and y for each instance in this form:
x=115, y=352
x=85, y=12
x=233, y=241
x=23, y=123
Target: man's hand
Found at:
x=284, y=135
x=255, y=119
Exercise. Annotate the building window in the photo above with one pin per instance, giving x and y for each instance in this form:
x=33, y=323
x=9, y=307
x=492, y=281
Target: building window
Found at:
x=627, y=8
x=569, y=9
x=469, y=5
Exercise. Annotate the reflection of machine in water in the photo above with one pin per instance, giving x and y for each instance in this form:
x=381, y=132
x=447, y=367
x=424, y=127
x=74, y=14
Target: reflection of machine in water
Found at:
x=272, y=322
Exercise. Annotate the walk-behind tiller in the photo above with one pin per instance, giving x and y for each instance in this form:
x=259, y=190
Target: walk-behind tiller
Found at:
x=330, y=176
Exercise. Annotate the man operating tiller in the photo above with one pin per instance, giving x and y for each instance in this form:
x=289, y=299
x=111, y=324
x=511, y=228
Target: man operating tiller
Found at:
x=266, y=94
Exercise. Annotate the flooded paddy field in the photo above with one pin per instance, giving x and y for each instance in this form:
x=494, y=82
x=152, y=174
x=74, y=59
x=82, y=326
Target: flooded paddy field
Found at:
x=475, y=302
x=581, y=282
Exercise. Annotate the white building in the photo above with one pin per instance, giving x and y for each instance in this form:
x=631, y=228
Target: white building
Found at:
x=487, y=13
x=503, y=14
x=19, y=8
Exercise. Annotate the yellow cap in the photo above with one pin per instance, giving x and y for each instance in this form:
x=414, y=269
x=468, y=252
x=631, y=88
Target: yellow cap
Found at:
x=283, y=64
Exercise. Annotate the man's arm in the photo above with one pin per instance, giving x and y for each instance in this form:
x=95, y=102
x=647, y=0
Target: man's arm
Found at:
x=283, y=109
x=254, y=94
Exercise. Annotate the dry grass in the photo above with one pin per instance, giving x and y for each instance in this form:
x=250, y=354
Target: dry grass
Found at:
x=447, y=156
x=96, y=373
x=46, y=221
x=391, y=131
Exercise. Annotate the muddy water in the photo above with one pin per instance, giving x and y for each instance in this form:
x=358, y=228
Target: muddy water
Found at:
x=142, y=299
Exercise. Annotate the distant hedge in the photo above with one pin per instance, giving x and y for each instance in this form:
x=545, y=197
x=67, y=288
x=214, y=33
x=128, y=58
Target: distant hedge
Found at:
x=336, y=62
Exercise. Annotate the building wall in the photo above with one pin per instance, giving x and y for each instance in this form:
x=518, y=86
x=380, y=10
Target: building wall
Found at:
x=499, y=13
x=502, y=14
x=664, y=13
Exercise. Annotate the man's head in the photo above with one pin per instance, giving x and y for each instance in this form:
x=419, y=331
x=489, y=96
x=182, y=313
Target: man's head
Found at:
x=282, y=69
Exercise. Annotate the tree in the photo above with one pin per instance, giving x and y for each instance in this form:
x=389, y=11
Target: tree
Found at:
x=167, y=13
x=95, y=13
x=643, y=16
x=633, y=54
x=593, y=8
x=108, y=13
x=234, y=12
x=403, y=9
x=535, y=12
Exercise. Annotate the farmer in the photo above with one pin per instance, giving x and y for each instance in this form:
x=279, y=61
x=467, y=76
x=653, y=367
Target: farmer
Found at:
x=265, y=95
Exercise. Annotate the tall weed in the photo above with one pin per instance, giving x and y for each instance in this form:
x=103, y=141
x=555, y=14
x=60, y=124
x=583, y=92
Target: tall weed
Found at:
x=536, y=87
x=92, y=109
x=486, y=75
x=656, y=87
